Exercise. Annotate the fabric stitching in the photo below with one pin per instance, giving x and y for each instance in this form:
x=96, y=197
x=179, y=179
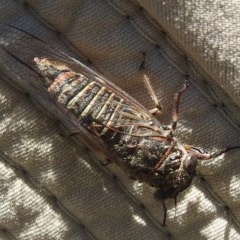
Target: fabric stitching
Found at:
x=28, y=178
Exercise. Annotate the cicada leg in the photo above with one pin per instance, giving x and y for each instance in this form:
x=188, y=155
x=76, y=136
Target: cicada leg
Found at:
x=176, y=100
x=158, y=106
x=164, y=157
x=200, y=155
x=165, y=213
x=172, y=127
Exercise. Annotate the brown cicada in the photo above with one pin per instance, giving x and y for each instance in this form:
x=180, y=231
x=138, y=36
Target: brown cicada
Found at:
x=119, y=129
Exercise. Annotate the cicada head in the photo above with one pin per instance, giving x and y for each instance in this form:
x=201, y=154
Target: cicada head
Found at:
x=178, y=175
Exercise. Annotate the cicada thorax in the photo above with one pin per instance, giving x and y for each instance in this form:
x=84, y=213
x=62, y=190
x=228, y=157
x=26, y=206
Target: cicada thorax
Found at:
x=136, y=140
x=141, y=155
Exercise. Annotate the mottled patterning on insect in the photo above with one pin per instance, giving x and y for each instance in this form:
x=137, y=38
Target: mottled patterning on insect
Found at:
x=136, y=140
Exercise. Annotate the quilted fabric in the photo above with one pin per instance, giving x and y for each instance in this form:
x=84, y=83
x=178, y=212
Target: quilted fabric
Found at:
x=51, y=186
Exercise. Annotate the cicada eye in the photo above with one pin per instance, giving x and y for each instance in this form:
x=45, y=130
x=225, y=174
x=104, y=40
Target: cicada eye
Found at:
x=190, y=163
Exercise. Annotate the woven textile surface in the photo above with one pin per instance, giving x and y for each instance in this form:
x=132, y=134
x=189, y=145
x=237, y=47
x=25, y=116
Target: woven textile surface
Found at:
x=52, y=186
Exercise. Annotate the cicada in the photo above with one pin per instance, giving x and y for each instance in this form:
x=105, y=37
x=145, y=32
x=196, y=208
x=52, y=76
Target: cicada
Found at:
x=117, y=128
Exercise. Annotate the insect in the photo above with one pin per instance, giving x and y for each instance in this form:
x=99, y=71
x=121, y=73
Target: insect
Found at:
x=126, y=132
x=119, y=129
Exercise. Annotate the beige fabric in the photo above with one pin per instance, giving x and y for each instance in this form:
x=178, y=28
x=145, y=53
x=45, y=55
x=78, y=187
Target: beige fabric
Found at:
x=53, y=188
